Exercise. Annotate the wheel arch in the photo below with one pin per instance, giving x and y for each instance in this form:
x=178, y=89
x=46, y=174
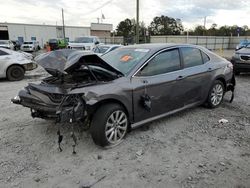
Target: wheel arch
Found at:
x=93, y=108
x=223, y=80
x=15, y=64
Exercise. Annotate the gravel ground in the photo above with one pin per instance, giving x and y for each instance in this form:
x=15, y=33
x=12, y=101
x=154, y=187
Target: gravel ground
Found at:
x=188, y=149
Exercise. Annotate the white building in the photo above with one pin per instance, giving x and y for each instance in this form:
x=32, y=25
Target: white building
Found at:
x=42, y=33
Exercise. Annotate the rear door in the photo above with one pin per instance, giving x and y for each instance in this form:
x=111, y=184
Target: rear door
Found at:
x=197, y=74
x=160, y=82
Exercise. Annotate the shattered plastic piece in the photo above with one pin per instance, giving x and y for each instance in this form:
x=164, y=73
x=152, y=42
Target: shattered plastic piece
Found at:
x=223, y=121
x=139, y=153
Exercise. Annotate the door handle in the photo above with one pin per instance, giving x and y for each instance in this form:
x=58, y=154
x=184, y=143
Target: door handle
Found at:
x=209, y=69
x=144, y=81
x=180, y=77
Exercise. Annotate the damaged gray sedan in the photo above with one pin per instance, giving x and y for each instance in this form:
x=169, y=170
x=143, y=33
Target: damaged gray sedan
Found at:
x=127, y=87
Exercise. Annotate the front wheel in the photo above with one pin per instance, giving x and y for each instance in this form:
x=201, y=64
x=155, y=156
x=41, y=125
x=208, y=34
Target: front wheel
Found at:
x=109, y=125
x=15, y=73
x=216, y=94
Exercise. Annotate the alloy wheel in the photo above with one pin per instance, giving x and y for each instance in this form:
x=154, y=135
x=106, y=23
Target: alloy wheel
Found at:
x=116, y=127
x=217, y=94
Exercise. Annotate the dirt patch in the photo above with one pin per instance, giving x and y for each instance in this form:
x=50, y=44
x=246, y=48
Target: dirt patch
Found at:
x=188, y=149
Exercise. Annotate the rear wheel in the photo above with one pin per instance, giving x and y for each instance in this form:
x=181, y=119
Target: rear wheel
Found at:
x=109, y=125
x=216, y=94
x=15, y=73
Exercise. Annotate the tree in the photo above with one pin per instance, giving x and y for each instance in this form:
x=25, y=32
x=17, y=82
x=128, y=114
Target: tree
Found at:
x=198, y=30
x=125, y=28
x=165, y=25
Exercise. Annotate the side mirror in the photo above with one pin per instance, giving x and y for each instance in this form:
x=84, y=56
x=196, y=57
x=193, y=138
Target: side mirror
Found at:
x=97, y=42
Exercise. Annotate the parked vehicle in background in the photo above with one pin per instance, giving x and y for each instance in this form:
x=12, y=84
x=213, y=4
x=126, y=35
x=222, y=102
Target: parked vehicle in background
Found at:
x=242, y=44
x=84, y=43
x=6, y=44
x=56, y=44
x=30, y=46
x=14, y=64
x=53, y=44
x=105, y=48
x=127, y=87
x=62, y=43
x=17, y=45
x=241, y=60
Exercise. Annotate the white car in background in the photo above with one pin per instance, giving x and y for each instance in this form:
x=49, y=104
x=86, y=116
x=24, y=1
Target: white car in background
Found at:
x=105, y=48
x=30, y=46
x=7, y=44
x=14, y=64
x=84, y=43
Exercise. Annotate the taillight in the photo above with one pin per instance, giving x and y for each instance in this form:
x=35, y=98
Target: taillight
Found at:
x=230, y=65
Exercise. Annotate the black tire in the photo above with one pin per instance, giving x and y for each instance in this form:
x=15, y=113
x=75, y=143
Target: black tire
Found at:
x=15, y=73
x=100, y=125
x=210, y=100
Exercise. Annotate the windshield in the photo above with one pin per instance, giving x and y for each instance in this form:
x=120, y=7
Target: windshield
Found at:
x=28, y=42
x=84, y=40
x=101, y=49
x=3, y=42
x=125, y=59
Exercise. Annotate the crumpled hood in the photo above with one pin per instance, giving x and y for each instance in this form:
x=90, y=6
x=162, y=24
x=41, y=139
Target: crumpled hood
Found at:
x=67, y=60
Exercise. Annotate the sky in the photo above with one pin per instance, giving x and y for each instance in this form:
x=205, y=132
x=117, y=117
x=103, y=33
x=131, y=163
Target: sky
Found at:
x=83, y=12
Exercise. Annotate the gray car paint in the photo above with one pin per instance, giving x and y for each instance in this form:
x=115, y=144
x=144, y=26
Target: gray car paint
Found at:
x=168, y=93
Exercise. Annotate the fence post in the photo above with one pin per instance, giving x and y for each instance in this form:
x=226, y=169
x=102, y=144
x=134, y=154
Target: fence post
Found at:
x=166, y=39
x=206, y=41
x=222, y=43
x=197, y=38
x=214, y=42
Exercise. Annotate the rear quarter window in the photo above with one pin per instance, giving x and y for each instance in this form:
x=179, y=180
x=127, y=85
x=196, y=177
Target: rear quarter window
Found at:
x=205, y=57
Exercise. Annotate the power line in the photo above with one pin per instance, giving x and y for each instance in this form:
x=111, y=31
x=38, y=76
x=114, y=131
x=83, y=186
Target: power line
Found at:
x=98, y=8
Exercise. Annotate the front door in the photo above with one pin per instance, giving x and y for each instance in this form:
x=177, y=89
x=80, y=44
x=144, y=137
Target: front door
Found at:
x=157, y=86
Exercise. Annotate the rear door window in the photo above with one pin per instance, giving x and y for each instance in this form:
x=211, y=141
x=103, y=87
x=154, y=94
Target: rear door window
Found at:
x=191, y=57
x=162, y=63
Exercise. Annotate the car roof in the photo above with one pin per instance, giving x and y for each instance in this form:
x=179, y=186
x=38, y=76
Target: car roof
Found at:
x=110, y=45
x=154, y=47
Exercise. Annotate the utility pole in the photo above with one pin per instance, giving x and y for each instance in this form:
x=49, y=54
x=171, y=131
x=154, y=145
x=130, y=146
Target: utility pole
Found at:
x=137, y=21
x=64, y=38
x=205, y=21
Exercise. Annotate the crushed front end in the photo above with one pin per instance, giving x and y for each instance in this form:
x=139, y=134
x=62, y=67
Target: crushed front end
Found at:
x=51, y=103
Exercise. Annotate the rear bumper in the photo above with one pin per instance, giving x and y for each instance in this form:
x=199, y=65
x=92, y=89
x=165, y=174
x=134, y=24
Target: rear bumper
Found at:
x=231, y=84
